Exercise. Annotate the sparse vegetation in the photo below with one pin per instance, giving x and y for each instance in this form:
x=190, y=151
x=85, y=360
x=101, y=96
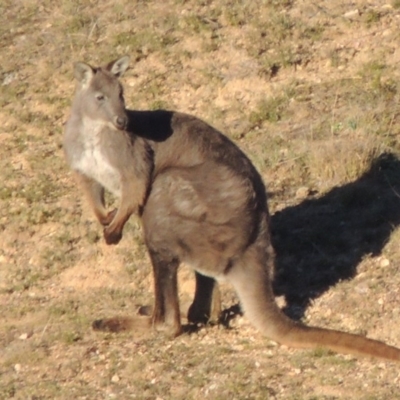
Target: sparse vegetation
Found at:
x=309, y=91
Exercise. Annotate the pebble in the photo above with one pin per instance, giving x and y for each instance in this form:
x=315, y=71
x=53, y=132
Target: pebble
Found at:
x=115, y=378
x=302, y=192
x=8, y=79
x=384, y=262
x=24, y=336
x=352, y=14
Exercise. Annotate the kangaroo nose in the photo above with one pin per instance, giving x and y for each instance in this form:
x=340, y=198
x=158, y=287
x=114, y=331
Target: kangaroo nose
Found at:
x=121, y=122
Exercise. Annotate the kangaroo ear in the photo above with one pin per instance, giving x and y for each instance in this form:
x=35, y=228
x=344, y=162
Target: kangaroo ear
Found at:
x=83, y=72
x=118, y=67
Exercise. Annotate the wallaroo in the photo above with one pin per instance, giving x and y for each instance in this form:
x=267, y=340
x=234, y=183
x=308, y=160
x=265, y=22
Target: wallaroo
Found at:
x=201, y=202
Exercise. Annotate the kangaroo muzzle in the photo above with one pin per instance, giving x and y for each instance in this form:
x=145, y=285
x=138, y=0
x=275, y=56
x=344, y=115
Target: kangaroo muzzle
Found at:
x=120, y=122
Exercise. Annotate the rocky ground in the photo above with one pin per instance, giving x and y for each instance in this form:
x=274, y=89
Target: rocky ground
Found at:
x=309, y=91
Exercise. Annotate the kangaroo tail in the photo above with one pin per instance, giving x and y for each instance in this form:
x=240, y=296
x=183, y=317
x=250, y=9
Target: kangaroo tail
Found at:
x=254, y=289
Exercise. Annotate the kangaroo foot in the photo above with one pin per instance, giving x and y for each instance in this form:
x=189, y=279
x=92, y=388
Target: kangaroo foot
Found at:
x=122, y=324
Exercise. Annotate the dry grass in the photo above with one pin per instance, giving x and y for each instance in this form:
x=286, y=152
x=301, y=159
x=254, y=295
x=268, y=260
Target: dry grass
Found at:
x=309, y=91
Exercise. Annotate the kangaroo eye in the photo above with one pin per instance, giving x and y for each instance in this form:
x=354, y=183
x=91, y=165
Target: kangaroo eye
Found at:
x=99, y=97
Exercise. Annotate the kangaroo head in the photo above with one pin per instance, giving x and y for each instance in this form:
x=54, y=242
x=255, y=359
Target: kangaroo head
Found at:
x=100, y=92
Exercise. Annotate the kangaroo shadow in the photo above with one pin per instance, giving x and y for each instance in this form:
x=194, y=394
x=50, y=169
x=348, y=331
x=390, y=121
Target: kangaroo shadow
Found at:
x=321, y=241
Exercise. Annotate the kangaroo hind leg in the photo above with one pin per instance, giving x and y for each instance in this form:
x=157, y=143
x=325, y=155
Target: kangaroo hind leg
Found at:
x=165, y=314
x=206, y=306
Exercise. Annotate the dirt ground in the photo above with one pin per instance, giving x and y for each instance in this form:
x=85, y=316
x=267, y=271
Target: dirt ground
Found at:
x=310, y=91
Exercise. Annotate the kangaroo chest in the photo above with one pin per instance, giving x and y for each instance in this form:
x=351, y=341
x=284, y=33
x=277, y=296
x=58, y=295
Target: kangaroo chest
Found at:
x=93, y=162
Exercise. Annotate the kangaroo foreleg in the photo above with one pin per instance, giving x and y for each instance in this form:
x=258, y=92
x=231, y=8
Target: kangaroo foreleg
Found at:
x=132, y=198
x=95, y=195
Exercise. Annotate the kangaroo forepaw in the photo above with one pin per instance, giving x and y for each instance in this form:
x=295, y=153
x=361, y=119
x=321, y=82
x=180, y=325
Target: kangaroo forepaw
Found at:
x=112, y=237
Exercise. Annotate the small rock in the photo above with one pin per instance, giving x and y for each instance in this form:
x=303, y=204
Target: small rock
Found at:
x=302, y=192
x=352, y=14
x=382, y=365
x=8, y=79
x=387, y=32
x=384, y=262
x=17, y=367
x=328, y=312
x=24, y=336
x=362, y=288
x=115, y=378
